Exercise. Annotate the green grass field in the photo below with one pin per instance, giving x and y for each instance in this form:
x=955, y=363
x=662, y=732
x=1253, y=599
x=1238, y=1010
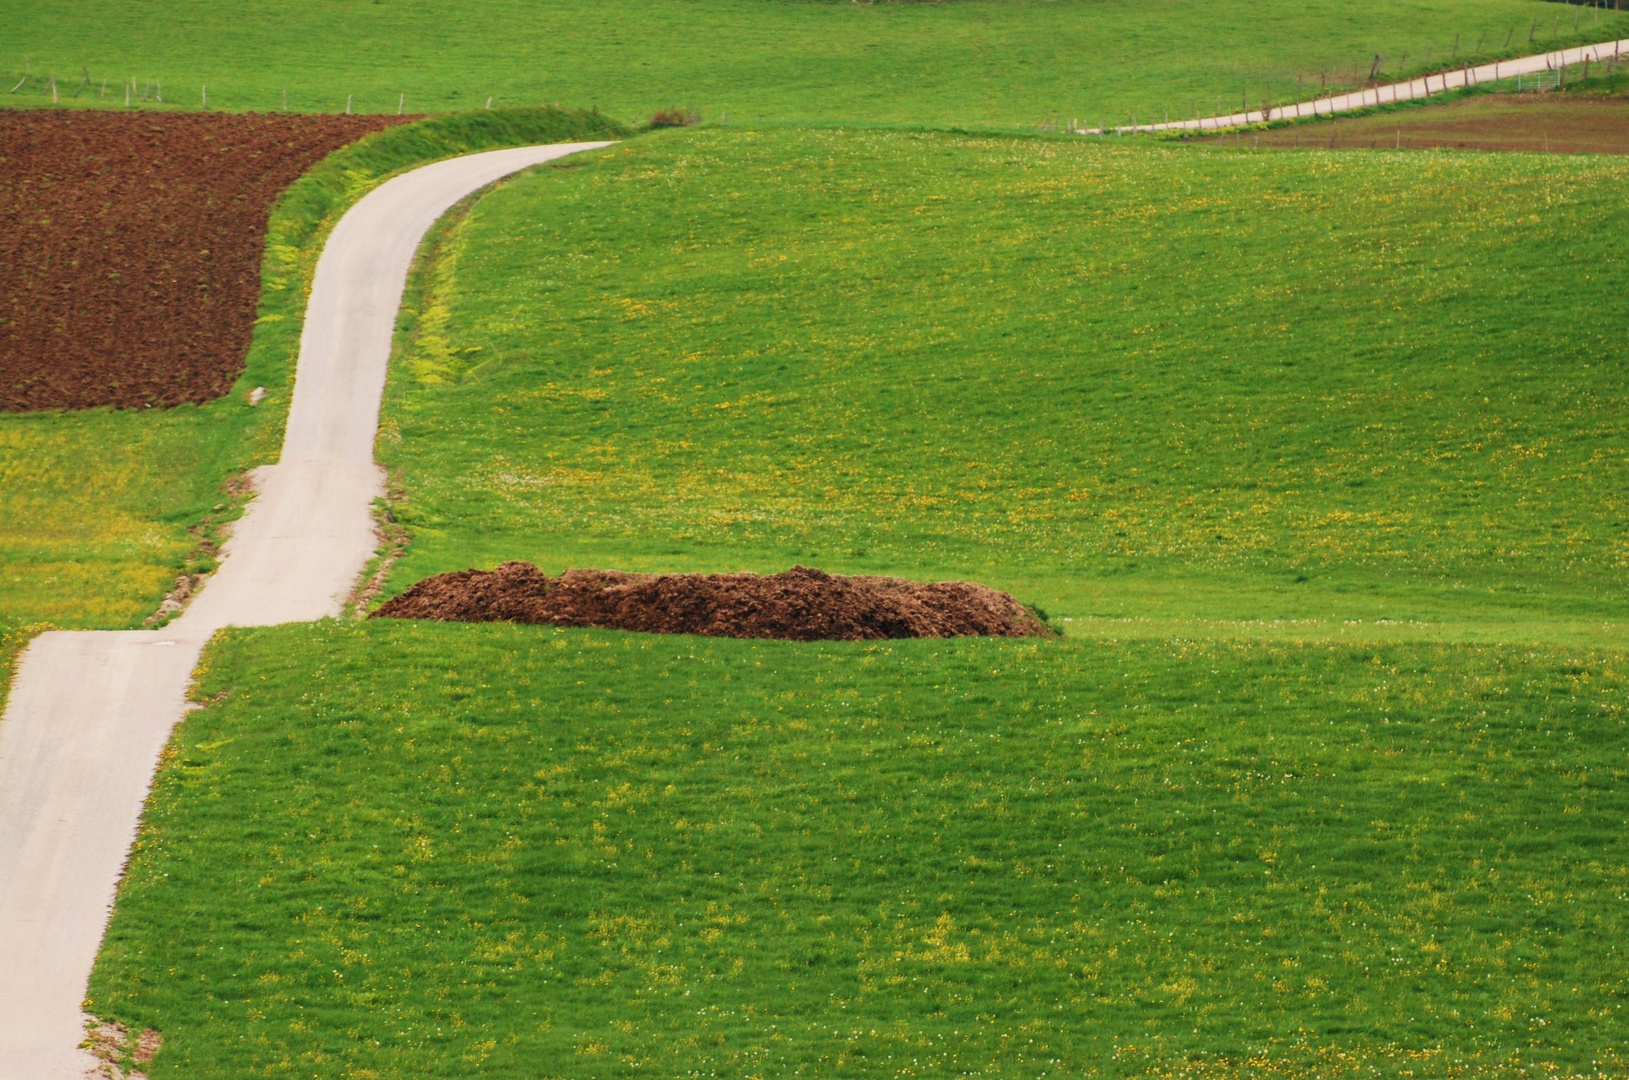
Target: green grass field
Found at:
x=982, y=62
x=1319, y=454
x=454, y=851
x=1199, y=390
x=107, y=507
x=1317, y=458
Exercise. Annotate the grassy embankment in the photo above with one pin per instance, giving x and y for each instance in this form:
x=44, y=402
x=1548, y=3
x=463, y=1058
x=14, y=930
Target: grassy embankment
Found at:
x=106, y=507
x=1120, y=381
x=976, y=62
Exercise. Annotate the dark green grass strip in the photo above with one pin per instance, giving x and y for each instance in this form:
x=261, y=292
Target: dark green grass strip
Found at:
x=442, y=850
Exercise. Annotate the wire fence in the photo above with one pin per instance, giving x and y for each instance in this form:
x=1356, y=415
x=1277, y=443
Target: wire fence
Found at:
x=1543, y=80
x=131, y=91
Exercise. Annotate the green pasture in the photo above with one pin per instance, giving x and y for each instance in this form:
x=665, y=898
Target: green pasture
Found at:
x=455, y=851
x=973, y=62
x=1154, y=389
x=105, y=508
x=1317, y=456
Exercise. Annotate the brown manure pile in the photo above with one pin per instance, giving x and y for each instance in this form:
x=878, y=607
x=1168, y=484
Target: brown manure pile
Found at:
x=130, y=245
x=800, y=604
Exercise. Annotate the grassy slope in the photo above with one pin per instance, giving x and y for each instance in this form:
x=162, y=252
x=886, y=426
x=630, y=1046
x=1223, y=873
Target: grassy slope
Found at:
x=971, y=62
x=1177, y=384
x=105, y=506
x=512, y=851
x=515, y=852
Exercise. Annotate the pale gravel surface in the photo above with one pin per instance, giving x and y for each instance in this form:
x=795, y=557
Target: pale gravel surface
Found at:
x=90, y=712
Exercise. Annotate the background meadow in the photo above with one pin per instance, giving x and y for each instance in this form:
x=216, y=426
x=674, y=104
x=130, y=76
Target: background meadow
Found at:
x=974, y=62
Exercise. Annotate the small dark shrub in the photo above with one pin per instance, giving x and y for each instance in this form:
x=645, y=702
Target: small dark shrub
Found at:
x=674, y=117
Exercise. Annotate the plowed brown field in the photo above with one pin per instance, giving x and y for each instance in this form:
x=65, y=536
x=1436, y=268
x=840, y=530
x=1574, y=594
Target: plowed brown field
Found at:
x=130, y=248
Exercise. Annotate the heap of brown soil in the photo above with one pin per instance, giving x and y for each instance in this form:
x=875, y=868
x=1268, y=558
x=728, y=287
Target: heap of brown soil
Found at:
x=798, y=605
x=130, y=247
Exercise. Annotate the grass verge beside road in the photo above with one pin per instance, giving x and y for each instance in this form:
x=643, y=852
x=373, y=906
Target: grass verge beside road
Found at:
x=454, y=850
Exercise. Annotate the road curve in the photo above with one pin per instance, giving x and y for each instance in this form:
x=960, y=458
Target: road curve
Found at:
x=90, y=712
x=1423, y=87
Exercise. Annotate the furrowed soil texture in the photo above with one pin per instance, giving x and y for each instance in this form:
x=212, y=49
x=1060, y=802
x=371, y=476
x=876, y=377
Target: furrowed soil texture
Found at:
x=444, y=850
x=801, y=604
x=132, y=244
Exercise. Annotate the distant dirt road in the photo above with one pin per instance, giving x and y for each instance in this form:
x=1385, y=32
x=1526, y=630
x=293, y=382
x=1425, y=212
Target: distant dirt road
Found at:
x=1424, y=87
x=90, y=712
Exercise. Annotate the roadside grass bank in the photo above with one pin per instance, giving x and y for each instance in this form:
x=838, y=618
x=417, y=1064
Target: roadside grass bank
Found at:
x=107, y=507
x=448, y=849
x=974, y=62
x=1122, y=382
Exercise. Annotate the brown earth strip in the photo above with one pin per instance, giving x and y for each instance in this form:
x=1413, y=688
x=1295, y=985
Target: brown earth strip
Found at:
x=1544, y=122
x=800, y=604
x=130, y=248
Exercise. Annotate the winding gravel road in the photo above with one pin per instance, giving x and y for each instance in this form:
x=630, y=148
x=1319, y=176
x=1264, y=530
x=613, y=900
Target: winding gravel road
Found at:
x=90, y=711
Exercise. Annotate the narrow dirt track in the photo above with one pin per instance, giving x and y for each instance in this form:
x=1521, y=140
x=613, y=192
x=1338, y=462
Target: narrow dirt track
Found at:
x=90, y=712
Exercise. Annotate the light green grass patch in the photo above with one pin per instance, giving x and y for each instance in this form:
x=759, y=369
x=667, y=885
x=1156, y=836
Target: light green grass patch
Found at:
x=1126, y=383
x=1002, y=62
x=447, y=850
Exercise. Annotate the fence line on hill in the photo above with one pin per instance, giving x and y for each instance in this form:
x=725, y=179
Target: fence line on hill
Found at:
x=1607, y=52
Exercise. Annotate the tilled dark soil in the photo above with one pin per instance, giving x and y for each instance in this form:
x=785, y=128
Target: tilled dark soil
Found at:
x=130, y=246
x=799, y=604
